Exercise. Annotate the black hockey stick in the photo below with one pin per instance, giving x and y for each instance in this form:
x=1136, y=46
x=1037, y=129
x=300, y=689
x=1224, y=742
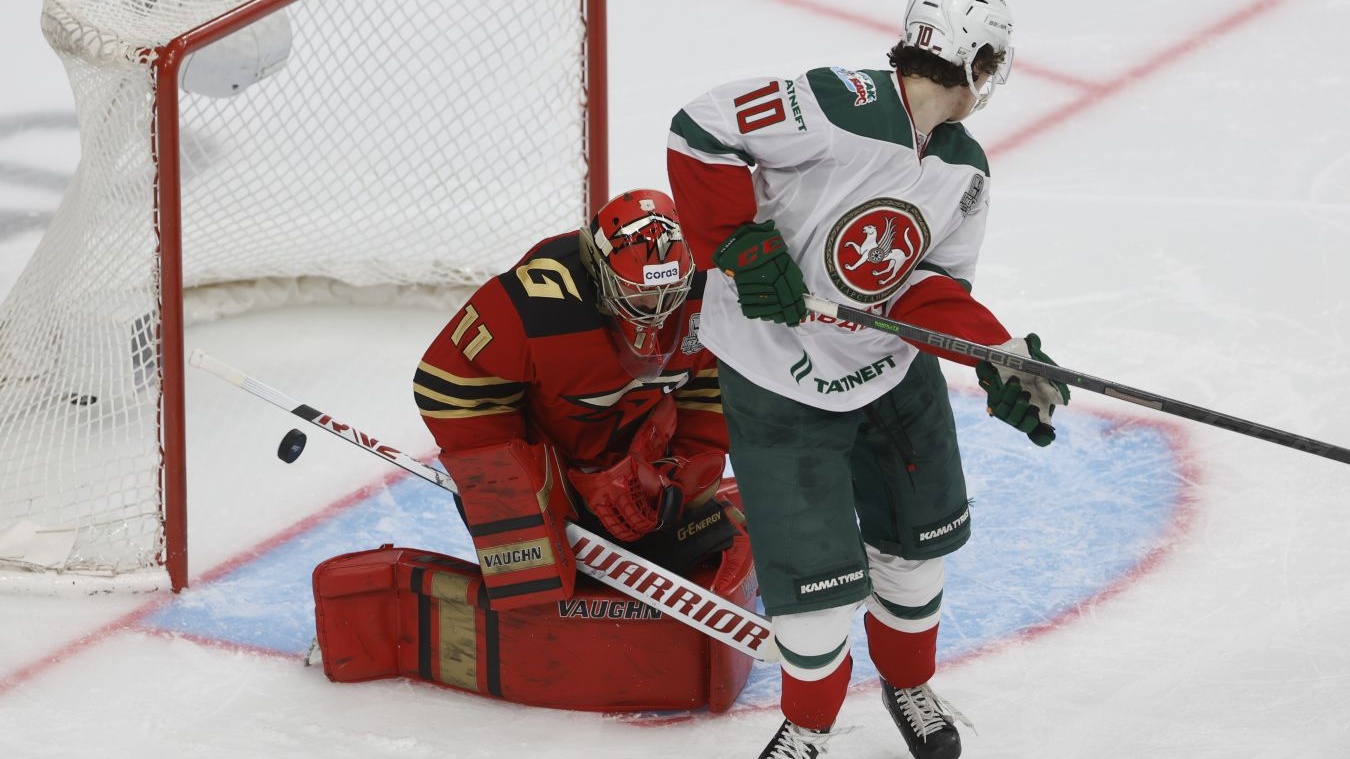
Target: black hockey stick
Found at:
x=1070, y=377
x=608, y=562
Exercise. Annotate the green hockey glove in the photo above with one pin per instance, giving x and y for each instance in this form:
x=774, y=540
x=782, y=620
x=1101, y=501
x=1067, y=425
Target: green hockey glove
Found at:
x=1023, y=400
x=769, y=283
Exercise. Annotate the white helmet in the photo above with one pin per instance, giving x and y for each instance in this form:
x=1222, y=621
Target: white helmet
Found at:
x=955, y=30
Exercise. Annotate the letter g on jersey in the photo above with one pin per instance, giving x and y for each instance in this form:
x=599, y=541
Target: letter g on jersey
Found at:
x=872, y=249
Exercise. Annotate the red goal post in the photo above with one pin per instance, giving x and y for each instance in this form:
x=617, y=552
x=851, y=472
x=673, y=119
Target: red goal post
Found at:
x=237, y=153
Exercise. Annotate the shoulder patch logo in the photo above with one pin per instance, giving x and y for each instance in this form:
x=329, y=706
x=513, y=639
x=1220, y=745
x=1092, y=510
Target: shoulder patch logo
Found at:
x=970, y=199
x=872, y=249
x=859, y=83
x=690, y=344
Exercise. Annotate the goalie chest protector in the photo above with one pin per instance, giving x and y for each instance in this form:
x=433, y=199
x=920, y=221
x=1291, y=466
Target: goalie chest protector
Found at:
x=400, y=612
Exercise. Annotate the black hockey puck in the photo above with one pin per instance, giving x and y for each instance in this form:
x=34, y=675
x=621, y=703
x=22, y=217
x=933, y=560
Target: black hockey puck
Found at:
x=291, y=446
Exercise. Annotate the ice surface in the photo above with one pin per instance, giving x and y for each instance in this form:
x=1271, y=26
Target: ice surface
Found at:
x=1172, y=210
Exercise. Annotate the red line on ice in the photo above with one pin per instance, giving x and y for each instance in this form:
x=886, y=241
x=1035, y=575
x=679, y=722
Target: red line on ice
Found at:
x=1092, y=94
x=131, y=621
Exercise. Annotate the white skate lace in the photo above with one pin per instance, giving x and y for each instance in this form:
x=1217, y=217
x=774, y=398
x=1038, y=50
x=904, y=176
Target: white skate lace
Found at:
x=799, y=743
x=926, y=711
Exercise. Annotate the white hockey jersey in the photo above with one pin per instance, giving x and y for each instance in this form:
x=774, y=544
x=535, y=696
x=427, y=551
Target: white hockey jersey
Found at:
x=868, y=209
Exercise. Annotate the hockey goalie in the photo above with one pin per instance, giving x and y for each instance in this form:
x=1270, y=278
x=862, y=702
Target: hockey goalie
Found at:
x=572, y=387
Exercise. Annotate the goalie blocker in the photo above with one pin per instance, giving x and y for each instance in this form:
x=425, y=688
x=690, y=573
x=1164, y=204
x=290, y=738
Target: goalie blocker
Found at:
x=514, y=501
x=400, y=612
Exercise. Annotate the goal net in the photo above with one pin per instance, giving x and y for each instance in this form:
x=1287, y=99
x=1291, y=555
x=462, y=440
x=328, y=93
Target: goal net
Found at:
x=237, y=153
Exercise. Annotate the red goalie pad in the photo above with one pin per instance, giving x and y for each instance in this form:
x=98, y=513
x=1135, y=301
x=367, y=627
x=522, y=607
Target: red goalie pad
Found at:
x=398, y=612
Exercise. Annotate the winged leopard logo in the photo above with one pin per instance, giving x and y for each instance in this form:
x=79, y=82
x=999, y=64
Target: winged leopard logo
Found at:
x=873, y=247
x=882, y=251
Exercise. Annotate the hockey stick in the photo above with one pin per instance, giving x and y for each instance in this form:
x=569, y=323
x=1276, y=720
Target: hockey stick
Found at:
x=597, y=557
x=1070, y=377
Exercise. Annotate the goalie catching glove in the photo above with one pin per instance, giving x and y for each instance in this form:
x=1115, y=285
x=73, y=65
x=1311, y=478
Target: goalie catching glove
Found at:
x=634, y=498
x=1025, y=401
x=647, y=489
x=769, y=284
x=630, y=498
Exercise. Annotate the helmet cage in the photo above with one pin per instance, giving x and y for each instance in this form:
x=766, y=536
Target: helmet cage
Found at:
x=643, y=268
x=643, y=271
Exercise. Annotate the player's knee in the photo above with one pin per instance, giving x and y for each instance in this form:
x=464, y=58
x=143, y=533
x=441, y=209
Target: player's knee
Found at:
x=814, y=643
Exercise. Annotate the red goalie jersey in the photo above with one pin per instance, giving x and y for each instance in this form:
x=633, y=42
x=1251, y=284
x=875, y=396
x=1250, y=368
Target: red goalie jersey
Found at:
x=575, y=382
x=530, y=357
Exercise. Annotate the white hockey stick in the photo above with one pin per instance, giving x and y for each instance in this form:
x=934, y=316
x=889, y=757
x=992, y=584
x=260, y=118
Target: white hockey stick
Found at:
x=597, y=557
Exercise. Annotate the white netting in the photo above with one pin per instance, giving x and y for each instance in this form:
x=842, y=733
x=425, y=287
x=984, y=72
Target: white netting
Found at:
x=400, y=148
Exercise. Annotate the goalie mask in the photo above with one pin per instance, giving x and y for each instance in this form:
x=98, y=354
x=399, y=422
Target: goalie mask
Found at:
x=956, y=30
x=642, y=270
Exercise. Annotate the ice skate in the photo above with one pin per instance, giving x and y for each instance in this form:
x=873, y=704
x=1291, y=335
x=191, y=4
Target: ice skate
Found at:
x=793, y=742
x=926, y=721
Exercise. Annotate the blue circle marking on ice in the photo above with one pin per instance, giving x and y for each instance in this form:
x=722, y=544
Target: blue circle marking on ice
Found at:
x=1054, y=529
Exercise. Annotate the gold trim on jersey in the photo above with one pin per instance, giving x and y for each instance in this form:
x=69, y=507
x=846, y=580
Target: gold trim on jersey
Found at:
x=708, y=392
x=458, y=380
x=505, y=400
x=715, y=408
x=467, y=413
x=443, y=395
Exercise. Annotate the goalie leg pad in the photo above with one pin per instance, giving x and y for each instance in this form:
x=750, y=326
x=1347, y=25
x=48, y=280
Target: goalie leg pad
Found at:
x=735, y=580
x=397, y=612
x=356, y=615
x=515, y=504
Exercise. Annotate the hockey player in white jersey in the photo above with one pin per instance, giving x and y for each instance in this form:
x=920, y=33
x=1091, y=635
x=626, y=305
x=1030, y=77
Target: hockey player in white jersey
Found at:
x=860, y=186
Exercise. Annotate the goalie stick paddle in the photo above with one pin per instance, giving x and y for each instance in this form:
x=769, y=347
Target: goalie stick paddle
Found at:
x=1069, y=377
x=604, y=560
